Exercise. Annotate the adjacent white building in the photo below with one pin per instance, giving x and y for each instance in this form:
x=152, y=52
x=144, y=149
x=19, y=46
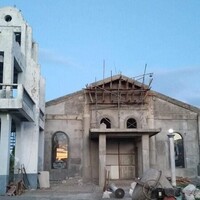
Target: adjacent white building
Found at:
x=22, y=101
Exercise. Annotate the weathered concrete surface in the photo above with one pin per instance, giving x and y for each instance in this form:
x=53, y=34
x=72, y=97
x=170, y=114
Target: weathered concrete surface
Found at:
x=79, y=116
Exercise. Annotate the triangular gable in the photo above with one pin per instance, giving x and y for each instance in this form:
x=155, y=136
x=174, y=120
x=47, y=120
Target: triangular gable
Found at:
x=117, y=89
x=118, y=81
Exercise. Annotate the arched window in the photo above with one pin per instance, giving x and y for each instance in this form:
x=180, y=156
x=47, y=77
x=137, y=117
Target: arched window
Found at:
x=179, y=150
x=60, y=150
x=106, y=121
x=131, y=123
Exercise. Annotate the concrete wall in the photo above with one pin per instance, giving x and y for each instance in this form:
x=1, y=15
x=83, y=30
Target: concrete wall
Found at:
x=184, y=122
x=67, y=114
x=119, y=119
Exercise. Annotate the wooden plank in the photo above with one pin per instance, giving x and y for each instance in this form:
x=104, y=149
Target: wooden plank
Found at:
x=12, y=190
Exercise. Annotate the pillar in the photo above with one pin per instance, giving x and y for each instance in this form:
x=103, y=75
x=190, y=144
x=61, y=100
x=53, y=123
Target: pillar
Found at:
x=41, y=151
x=7, y=38
x=26, y=151
x=172, y=160
x=145, y=152
x=152, y=151
x=102, y=159
x=4, y=151
x=152, y=139
x=86, y=151
x=18, y=146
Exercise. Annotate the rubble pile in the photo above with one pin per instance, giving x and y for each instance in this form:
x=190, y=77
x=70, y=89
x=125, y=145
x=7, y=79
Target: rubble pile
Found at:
x=191, y=192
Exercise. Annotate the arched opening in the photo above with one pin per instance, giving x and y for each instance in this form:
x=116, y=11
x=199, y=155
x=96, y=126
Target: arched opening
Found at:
x=60, y=150
x=131, y=123
x=179, y=150
x=106, y=121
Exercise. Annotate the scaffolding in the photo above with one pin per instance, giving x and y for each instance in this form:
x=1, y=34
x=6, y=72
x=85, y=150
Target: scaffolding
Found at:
x=116, y=91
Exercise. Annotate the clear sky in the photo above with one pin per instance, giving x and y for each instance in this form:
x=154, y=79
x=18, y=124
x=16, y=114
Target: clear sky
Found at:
x=75, y=36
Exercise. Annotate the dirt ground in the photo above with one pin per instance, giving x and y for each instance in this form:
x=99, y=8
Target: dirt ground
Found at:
x=71, y=189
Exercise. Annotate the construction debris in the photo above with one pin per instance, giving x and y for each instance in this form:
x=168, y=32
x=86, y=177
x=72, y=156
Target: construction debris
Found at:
x=190, y=192
x=18, y=187
x=133, y=184
x=106, y=194
x=181, y=181
x=11, y=189
x=118, y=192
x=151, y=180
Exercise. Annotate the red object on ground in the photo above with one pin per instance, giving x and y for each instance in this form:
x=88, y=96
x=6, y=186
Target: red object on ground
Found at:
x=169, y=198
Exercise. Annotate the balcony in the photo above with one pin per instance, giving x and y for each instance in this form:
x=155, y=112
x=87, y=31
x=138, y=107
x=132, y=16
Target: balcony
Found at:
x=15, y=100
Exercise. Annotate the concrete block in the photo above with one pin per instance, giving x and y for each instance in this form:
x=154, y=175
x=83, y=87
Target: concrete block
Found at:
x=44, y=179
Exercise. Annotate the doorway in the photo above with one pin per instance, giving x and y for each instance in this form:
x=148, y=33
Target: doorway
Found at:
x=121, y=158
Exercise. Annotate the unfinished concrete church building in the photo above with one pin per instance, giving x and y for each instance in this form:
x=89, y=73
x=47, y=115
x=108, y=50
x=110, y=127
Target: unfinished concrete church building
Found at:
x=117, y=124
x=22, y=100
x=120, y=125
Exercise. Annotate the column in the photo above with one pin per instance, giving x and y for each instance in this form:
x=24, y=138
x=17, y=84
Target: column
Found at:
x=172, y=160
x=145, y=152
x=41, y=151
x=7, y=38
x=86, y=143
x=102, y=159
x=18, y=147
x=152, y=147
x=152, y=151
x=4, y=151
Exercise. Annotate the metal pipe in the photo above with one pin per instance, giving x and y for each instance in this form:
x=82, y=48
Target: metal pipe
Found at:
x=119, y=192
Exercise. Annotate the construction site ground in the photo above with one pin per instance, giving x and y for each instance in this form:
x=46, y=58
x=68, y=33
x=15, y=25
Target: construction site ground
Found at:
x=74, y=189
x=77, y=189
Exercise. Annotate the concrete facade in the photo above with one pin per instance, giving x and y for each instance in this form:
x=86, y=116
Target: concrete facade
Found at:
x=22, y=98
x=117, y=124
x=120, y=125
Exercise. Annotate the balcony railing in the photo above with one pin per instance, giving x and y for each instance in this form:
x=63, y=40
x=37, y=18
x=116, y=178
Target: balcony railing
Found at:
x=8, y=91
x=15, y=97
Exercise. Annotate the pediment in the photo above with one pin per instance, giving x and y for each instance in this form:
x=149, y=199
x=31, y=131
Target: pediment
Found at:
x=118, y=82
x=117, y=89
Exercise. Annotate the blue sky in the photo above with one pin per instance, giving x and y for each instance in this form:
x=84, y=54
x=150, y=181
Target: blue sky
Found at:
x=75, y=36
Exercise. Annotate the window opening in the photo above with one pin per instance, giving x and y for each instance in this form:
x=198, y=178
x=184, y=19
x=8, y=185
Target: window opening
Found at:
x=60, y=153
x=15, y=72
x=1, y=68
x=8, y=18
x=106, y=121
x=131, y=123
x=179, y=150
x=18, y=37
